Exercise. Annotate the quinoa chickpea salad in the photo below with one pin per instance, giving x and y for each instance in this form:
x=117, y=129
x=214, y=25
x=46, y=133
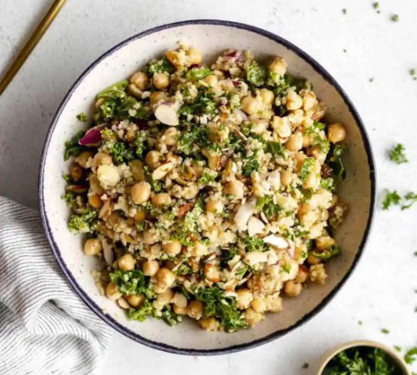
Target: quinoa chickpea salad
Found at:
x=207, y=191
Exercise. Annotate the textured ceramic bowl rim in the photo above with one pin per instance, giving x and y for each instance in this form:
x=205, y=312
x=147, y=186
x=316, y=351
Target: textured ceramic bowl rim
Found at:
x=234, y=348
x=373, y=344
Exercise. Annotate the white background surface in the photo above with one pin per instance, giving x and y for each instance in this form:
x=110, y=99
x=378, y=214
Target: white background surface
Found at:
x=353, y=47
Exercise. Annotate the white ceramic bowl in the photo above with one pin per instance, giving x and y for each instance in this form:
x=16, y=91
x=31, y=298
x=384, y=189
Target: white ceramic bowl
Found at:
x=211, y=37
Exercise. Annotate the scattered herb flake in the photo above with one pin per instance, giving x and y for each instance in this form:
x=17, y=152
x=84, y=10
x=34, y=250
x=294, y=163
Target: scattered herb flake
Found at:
x=306, y=365
x=344, y=11
x=82, y=117
x=398, y=348
x=391, y=198
x=385, y=331
x=397, y=154
x=413, y=74
x=410, y=198
x=395, y=18
x=411, y=355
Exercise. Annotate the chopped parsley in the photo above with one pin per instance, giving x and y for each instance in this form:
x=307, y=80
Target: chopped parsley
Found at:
x=385, y=331
x=334, y=160
x=410, y=198
x=375, y=5
x=130, y=282
x=159, y=66
x=120, y=152
x=413, y=74
x=362, y=360
x=411, y=356
x=72, y=147
x=196, y=74
x=82, y=117
x=327, y=254
x=306, y=168
x=207, y=178
x=268, y=207
x=395, y=18
x=82, y=222
x=392, y=198
x=250, y=164
x=256, y=73
x=397, y=154
x=398, y=348
x=274, y=148
x=222, y=308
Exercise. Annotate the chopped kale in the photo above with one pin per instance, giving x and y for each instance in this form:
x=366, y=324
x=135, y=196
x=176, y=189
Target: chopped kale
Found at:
x=131, y=282
x=256, y=73
x=120, y=152
x=72, y=147
x=82, y=222
x=159, y=66
x=222, y=308
x=142, y=312
x=196, y=74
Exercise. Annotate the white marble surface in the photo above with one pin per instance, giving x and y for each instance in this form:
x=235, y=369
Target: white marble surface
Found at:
x=353, y=47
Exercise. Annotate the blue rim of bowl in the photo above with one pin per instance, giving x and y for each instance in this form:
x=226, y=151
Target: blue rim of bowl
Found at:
x=234, y=348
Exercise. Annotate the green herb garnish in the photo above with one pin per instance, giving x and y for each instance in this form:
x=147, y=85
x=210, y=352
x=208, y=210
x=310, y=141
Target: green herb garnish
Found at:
x=82, y=117
x=397, y=154
x=392, y=198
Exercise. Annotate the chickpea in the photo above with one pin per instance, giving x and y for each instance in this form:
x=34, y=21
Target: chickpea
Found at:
x=82, y=158
x=172, y=248
x=294, y=101
x=309, y=101
x=75, y=171
x=311, y=181
x=194, y=55
x=323, y=243
x=140, y=80
x=286, y=177
x=161, y=80
x=302, y=274
x=299, y=159
x=98, y=103
x=140, y=192
x=101, y=159
x=292, y=288
x=318, y=154
x=295, y=142
x=135, y=300
x=195, y=309
x=94, y=201
x=164, y=278
x=282, y=126
x=149, y=237
x=140, y=215
x=179, y=310
x=180, y=300
x=134, y=90
x=209, y=324
x=126, y=262
x=250, y=105
x=92, y=246
x=259, y=305
x=114, y=218
x=267, y=96
x=150, y=267
x=235, y=188
x=156, y=96
x=161, y=199
x=307, y=140
x=153, y=159
x=136, y=167
x=199, y=249
x=212, y=273
x=211, y=80
x=95, y=185
x=252, y=317
x=163, y=299
x=170, y=136
x=336, y=133
x=274, y=302
x=214, y=205
x=313, y=260
x=278, y=65
x=123, y=303
x=244, y=298
x=259, y=126
x=112, y=292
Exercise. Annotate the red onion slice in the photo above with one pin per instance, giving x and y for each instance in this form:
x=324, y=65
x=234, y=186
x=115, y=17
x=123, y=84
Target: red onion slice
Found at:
x=92, y=137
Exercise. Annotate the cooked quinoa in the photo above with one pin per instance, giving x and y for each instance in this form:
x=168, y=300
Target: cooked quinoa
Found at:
x=207, y=191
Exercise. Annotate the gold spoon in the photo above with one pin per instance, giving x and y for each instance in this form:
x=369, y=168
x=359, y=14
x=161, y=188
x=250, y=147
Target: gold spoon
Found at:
x=31, y=43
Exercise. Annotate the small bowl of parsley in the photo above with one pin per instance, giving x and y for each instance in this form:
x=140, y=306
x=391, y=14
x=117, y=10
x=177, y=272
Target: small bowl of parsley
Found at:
x=363, y=358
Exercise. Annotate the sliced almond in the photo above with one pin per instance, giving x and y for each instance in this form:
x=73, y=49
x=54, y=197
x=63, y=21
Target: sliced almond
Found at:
x=243, y=214
x=255, y=257
x=279, y=242
x=107, y=252
x=274, y=180
x=167, y=114
x=123, y=303
x=162, y=170
x=255, y=226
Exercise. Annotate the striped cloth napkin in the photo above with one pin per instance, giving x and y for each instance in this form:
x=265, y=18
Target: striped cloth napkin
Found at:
x=44, y=326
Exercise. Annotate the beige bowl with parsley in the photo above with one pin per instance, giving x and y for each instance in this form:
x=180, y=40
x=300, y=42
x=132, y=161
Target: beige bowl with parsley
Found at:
x=207, y=187
x=363, y=357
